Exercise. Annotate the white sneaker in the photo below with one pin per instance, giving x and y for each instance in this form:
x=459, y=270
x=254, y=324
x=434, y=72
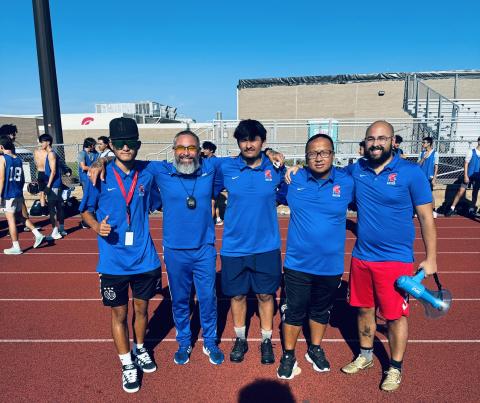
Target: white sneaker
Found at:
x=55, y=234
x=435, y=215
x=38, y=241
x=219, y=221
x=12, y=251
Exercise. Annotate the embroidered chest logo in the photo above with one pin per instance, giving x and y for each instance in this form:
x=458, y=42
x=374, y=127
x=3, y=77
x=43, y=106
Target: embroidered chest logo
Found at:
x=268, y=175
x=141, y=190
x=336, y=191
x=392, y=179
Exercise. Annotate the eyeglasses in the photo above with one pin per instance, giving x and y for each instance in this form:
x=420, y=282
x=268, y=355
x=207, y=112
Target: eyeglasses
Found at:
x=314, y=154
x=131, y=144
x=379, y=139
x=183, y=149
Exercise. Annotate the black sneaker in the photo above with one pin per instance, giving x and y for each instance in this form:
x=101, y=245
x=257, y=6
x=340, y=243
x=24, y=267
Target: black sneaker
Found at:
x=316, y=356
x=144, y=361
x=449, y=212
x=239, y=349
x=288, y=367
x=267, y=352
x=130, y=378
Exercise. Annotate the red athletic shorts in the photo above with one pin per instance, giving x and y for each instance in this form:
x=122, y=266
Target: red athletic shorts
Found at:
x=372, y=284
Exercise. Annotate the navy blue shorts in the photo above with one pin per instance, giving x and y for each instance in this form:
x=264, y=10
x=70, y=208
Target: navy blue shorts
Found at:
x=114, y=288
x=260, y=273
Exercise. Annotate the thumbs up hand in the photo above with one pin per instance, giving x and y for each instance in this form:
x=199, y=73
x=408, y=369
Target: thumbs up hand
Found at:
x=103, y=228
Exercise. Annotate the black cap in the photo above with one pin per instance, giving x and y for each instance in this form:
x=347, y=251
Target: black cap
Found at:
x=123, y=128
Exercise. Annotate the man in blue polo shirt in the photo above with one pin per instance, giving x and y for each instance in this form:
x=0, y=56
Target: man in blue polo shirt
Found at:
x=187, y=187
x=318, y=197
x=117, y=210
x=250, y=253
x=387, y=191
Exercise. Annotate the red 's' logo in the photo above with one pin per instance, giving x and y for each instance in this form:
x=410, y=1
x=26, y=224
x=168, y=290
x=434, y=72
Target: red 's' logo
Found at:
x=336, y=191
x=87, y=120
x=392, y=179
x=268, y=175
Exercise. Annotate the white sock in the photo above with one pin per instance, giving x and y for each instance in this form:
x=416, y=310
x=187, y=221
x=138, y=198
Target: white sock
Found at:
x=126, y=359
x=15, y=244
x=36, y=232
x=240, y=332
x=136, y=347
x=266, y=334
x=452, y=207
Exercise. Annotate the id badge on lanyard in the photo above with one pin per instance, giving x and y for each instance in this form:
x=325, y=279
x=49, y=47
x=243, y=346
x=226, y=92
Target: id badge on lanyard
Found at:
x=128, y=199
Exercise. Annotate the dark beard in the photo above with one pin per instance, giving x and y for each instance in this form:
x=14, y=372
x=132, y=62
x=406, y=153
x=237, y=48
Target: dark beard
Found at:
x=376, y=162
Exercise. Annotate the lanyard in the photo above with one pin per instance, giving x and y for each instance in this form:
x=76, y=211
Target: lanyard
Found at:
x=128, y=198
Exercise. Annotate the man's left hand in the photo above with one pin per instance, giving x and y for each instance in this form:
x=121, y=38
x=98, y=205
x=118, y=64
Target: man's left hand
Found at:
x=428, y=266
x=276, y=158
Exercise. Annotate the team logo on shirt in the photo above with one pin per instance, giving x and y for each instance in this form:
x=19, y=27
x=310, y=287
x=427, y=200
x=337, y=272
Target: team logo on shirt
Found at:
x=392, y=179
x=268, y=175
x=336, y=191
x=141, y=190
x=109, y=294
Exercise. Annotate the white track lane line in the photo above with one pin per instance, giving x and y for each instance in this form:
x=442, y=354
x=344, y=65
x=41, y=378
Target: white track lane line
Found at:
x=226, y=340
x=221, y=239
x=161, y=254
x=164, y=273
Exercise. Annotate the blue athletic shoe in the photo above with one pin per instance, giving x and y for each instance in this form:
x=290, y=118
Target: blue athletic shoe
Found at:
x=182, y=356
x=215, y=355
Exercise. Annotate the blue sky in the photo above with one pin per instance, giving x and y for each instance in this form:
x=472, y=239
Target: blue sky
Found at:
x=191, y=54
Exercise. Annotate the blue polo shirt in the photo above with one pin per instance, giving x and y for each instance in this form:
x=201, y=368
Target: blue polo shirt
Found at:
x=385, y=209
x=251, y=223
x=107, y=199
x=14, y=178
x=185, y=228
x=318, y=212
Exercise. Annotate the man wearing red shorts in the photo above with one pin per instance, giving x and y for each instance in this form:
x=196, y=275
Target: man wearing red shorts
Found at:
x=387, y=189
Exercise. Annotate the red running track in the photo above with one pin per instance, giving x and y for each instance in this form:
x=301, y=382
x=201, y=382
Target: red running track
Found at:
x=57, y=346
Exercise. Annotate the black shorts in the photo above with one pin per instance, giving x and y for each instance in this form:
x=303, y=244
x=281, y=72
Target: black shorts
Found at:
x=310, y=293
x=114, y=289
x=42, y=181
x=260, y=273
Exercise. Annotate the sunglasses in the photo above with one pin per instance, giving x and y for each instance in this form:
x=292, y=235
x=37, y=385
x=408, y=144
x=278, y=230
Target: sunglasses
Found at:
x=131, y=144
x=183, y=149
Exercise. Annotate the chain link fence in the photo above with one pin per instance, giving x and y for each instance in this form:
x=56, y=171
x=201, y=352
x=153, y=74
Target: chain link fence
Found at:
x=451, y=155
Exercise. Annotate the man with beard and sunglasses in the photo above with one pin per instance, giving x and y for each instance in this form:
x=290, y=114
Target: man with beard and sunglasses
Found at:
x=117, y=210
x=387, y=190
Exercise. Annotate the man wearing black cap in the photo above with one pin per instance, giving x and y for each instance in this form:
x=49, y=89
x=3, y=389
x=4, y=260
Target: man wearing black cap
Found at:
x=117, y=210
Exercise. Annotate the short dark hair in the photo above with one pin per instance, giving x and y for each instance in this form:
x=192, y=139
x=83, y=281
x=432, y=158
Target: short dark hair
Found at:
x=249, y=129
x=186, y=133
x=45, y=137
x=208, y=145
x=319, y=136
x=89, y=142
x=398, y=139
x=104, y=139
x=8, y=129
x=428, y=139
x=7, y=143
x=362, y=144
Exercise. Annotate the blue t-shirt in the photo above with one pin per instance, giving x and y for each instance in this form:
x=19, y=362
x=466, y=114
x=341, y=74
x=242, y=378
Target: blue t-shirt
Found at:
x=14, y=178
x=318, y=212
x=251, y=223
x=88, y=158
x=106, y=198
x=57, y=179
x=386, y=204
x=185, y=228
